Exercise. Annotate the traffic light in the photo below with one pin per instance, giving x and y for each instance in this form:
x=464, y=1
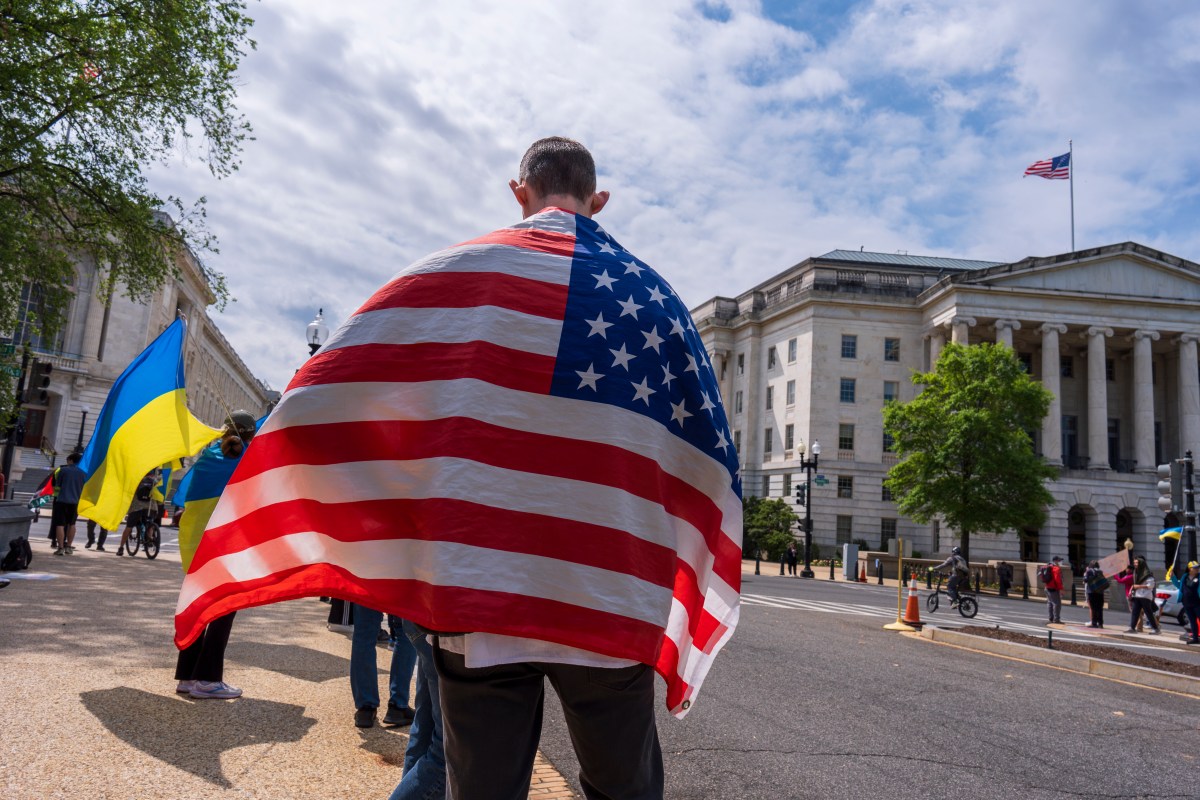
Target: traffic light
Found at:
x=39, y=384
x=801, y=494
x=1170, y=487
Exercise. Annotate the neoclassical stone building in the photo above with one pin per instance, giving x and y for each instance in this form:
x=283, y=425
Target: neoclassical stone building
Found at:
x=813, y=353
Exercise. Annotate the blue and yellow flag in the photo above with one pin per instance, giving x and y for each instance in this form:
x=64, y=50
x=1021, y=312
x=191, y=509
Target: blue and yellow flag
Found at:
x=145, y=423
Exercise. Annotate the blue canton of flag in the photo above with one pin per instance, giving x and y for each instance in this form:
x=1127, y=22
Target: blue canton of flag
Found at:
x=629, y=341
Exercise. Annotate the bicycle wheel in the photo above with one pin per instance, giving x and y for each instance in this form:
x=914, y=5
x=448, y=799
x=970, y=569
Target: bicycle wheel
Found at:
x=931, y=602
x=135, y=541
x=153, y=539
x=968, y=606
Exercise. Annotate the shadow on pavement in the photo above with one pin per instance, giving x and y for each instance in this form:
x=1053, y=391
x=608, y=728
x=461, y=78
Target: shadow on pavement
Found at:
x=153, y=723
x=292, y=660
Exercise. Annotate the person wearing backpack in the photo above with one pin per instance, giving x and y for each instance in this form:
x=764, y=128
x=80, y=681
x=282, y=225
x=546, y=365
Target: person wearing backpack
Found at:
x=1050, y=575
x=1141, y=597
x=959, y=572
x=139, y=509
x=1095, y=584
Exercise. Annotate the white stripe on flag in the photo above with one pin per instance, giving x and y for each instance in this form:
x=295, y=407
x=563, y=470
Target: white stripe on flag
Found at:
x=499, y=326
x=516, y=261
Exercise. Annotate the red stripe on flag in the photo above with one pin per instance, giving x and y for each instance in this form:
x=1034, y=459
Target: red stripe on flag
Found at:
x=668, y=667
x=522, y=451
x=460, y=610
x=559, y=244
x=445, y=520
x=428, y=361
x=471, y=290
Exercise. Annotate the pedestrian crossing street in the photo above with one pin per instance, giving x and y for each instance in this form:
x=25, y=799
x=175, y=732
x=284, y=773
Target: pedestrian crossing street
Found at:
x=941, y=617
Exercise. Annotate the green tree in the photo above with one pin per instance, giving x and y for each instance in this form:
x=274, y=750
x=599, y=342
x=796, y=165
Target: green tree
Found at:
x=964, y=447
x=767, y=524
x=92, y=92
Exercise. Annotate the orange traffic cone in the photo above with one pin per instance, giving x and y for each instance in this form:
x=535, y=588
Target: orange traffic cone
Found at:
x=862, y=576
x=912, y=611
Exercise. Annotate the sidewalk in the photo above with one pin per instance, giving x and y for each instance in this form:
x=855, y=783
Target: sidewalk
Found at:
x=87, y=673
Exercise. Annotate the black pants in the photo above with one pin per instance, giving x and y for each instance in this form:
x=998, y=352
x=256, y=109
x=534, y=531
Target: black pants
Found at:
x=91, y=529
x=1095, y=601
x=492, y=720
x=952, y=587
x=204, y=659
x=1140, y=605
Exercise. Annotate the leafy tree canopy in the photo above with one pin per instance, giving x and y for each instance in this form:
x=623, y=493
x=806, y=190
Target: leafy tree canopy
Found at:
x=964, y=447
x=767, y=525
x=92, y=92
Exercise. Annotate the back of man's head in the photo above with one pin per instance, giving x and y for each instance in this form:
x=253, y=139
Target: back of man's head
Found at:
x=74, y=458
x=557, y=165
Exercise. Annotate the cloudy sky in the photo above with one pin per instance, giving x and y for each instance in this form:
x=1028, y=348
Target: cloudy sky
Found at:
x=737, y=138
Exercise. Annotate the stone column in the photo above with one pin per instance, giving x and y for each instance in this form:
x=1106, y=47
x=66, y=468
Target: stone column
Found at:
x=1052, y=382
x=1004, y=331
x=960, y=328
x=937, y=340
x=1189, y=395
x=1143, y=400
x=1097, y=398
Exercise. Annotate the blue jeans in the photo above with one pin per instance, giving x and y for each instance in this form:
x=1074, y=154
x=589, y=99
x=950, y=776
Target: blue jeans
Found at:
x=424, y=775
x=364, y=674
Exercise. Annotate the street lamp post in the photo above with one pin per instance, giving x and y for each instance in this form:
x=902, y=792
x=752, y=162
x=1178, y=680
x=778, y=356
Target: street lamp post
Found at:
x=316, y=333
x=83, y=412
x=809, y=465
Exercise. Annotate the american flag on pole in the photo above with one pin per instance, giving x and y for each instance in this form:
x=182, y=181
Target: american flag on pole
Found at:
x=1055, y=169
x=519, y=435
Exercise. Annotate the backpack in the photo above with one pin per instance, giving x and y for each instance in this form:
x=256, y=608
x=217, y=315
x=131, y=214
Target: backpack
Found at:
x=1044, y=574
x=144, y=490
x=20, y=555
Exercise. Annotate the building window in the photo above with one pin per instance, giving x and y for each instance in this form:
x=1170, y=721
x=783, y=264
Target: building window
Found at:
x=1110, y=370
x=889, y=442
x=849, y=346
x=741, y=364
x=766, y=485
x=737, y=402
x=891, y=349
x=770, y=397
x=846, y=392
x=1154, y=373
x=886, y=494
x=789, y=437
x=845, y=528
x=846, y=436
x=1066, y=366
x=1070, y=440
x=887, y=531
x=791, y=393
x=737, y=441
x=787, y=485
x=791, y=351
x=768, y=437
x=1026, y=360
x=846, y=487
x=891, y=390
x=771, y=357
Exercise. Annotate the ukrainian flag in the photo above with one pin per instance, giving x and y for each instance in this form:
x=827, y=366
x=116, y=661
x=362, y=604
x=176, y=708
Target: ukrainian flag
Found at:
x=199, y=492
x=145, y=423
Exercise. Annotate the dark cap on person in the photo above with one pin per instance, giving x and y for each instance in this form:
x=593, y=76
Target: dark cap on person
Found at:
x=1057, y=558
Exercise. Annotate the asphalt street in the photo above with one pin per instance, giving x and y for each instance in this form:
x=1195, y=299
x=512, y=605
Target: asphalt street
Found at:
x=806, y=703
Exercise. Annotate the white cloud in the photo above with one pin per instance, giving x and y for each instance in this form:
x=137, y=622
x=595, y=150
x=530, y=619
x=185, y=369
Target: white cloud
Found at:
x=734, y=148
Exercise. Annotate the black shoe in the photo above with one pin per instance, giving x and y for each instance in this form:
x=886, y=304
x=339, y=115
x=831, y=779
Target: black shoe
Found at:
x=100, y=548
x=398, y=716
x=364, y=717
x=88, y=546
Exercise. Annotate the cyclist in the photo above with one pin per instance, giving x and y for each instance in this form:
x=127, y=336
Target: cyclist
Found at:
x=139, y=509
x=959, y=572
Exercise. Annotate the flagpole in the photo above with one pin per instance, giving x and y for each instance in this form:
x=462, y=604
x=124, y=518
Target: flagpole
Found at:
x=1071, y=173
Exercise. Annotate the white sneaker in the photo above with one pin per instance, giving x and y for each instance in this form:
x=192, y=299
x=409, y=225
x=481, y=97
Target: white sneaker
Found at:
x=214, y=690
x=185, y=687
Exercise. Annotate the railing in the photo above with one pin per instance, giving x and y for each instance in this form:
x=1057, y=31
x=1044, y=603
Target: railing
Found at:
x=1075, y=462
x=1125, y=465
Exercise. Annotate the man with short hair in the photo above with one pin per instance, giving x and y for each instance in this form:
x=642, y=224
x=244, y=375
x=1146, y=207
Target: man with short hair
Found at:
x=68, y=484
x=1054, y=587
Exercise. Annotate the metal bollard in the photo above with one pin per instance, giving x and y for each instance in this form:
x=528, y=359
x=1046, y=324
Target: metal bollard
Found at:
x=831, y=569
x=976, y=583
x=929, y=580
x=1074, y=600
x=1025, y=585
x=879, y=572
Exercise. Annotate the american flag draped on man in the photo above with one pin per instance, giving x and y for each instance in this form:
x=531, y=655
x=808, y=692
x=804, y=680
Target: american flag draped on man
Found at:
x=460, y=456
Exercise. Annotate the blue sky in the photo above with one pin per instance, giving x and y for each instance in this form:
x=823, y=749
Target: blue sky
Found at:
x=737, y=138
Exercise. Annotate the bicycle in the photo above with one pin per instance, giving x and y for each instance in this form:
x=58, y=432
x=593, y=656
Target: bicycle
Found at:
x=968, y=606
x=147, y=536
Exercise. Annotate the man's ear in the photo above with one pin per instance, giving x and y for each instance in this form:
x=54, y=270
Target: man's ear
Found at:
x=599, y=200
x=520, y=192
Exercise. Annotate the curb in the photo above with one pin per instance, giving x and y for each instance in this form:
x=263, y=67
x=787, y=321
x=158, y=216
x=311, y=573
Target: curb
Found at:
x=1141, y=676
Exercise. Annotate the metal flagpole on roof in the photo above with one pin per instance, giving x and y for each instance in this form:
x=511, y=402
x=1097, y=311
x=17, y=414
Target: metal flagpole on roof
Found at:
x=1071, y=174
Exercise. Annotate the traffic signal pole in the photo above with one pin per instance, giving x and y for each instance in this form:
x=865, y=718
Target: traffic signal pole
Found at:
x=1189, y=505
